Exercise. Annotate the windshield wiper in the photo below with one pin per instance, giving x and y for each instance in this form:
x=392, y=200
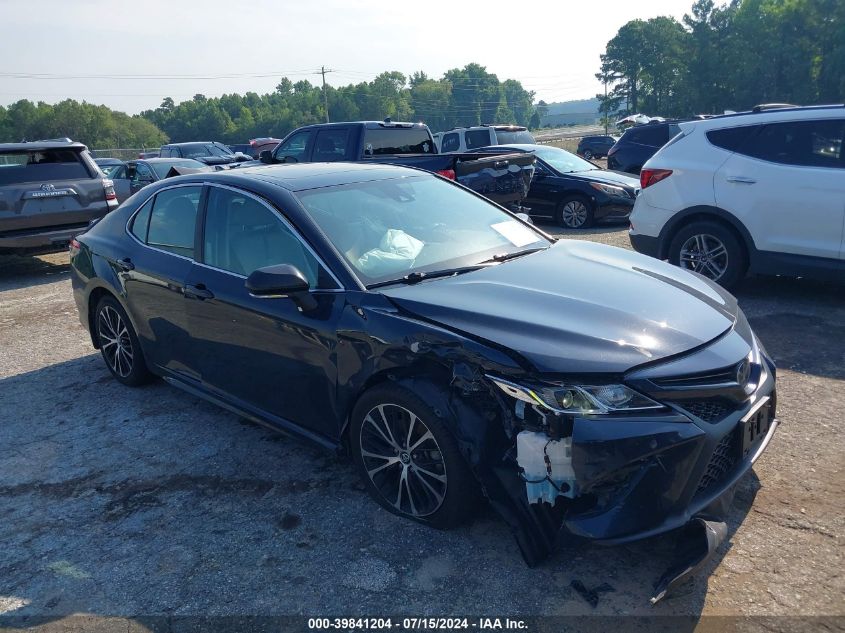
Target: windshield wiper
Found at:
x=503, y=257
x=416, y=277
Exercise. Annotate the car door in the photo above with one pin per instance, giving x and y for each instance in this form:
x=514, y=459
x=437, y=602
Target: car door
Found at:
x=786, y=183
x=545, y=192
x=154, y=270
x=263, y=354
x=294, y=149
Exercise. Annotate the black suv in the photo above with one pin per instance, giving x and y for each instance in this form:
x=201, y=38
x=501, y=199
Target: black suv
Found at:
x=49, y=192
x=595, y=146
x=638, y=144
x=208, y=152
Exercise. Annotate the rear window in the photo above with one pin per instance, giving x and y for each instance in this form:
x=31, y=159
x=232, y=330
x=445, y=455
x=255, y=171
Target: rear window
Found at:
x=398, y=141
x=507, y=137
x=651, y=135
x=41, y=166
x=477, y=138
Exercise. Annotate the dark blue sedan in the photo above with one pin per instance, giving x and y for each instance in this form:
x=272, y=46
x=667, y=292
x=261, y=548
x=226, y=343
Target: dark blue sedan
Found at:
x=430, y=334
x=574, y=192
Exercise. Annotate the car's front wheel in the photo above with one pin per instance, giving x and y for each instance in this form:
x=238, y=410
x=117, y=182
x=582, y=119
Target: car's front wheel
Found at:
x=588, y=154
x=119, y=343
x=575, y=212
x=709, y=249
x=409, y=460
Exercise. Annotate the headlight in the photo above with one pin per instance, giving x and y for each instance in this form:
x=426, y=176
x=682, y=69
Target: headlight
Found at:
x=578, y=399
x=610, y=189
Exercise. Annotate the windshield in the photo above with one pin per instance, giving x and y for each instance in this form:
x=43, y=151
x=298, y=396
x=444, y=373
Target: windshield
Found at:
x=387, y=229
x=563, y=161
x=161, y=169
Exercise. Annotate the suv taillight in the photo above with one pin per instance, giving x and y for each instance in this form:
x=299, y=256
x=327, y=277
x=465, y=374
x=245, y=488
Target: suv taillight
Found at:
x=108, y=187
x=649, y=177
x=446, y=173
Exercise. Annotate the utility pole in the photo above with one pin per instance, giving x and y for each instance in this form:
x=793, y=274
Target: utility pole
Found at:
x=606, y=109
x=323, y=72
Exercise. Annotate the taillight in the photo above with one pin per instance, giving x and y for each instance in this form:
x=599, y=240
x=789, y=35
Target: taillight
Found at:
x=446, y=173
x=649, y=177
x=108, y=187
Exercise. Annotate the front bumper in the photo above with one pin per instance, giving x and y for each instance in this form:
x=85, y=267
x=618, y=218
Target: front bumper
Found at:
x=613, y=208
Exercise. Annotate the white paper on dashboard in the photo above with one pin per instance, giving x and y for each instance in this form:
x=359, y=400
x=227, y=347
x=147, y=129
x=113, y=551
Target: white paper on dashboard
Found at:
x=515, y=233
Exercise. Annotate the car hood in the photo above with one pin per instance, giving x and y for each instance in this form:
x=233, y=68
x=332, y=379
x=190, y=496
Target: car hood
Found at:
x=577, y=307
x=609, y=177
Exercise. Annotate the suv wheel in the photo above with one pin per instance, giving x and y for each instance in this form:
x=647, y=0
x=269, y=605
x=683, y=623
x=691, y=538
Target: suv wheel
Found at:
x=711, y=250
x=575, y=212
x=409, y=460
x=588, y=154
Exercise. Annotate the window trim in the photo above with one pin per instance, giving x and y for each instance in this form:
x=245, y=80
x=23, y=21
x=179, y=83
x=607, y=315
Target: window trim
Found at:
x=279, y=215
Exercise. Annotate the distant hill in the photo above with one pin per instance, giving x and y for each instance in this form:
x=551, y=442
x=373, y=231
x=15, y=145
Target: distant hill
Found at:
x=580, y=112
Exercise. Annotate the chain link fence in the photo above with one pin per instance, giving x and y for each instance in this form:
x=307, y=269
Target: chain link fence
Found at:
x=122, y=154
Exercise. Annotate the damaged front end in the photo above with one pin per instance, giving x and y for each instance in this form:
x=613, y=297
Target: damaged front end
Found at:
x=638, y=455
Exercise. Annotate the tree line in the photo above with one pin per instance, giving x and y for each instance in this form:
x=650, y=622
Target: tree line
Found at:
x=463, y=96
x=728, y=57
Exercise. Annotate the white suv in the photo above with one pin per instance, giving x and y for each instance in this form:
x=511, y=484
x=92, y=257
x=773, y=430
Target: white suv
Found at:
x=762, y=191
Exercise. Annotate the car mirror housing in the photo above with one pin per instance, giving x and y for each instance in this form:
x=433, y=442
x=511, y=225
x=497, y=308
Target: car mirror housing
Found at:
x=281, y=281
x=266, y=156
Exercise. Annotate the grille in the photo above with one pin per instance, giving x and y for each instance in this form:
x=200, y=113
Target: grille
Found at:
x=708, y=410
x=714, y=377
x=721, y=463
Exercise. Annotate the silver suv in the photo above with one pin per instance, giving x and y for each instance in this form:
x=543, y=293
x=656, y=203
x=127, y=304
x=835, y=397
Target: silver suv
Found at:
x=49, y=192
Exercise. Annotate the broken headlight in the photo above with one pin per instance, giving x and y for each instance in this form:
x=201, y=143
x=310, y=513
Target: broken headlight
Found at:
x=578, y=399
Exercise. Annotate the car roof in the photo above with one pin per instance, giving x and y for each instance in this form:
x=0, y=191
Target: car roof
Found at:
x=303, y=176
x=772, y=115
x=165, y=160
x=36, y=145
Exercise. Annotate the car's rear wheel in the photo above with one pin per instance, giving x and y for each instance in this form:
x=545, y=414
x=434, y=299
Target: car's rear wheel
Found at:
x=409, y=460
x=119, y=343
x=588, y=154
x=575, y=212
x=709, y=249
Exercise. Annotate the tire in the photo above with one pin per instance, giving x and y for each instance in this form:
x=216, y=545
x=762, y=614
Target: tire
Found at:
x=711, y=249
x=588, y=154
x=575, y=212
x=395, y=476
x=119, y=344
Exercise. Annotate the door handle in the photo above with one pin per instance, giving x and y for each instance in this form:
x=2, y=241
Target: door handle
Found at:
x=125, y=264
x=741, y=180
x=198, y=291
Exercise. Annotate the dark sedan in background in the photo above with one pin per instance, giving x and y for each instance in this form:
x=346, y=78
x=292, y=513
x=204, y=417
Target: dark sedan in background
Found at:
x=441, y=341
x=595, y=146
x=133, y=175
x=573, y=191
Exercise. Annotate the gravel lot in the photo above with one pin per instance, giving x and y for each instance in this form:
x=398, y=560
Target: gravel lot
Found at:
x=132, y=502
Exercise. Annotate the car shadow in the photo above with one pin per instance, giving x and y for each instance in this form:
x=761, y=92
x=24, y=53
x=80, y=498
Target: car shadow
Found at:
x=800, y=322
x=150, y=502
x=22, y=271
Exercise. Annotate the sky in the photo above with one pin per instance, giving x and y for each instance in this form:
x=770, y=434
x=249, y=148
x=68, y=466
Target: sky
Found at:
x=129, y=56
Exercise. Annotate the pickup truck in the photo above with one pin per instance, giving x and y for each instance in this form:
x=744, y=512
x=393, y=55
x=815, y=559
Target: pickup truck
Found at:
x=502, y=177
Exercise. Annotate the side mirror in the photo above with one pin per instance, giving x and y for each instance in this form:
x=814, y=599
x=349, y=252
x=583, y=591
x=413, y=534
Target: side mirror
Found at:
x=242, y=158
x=281, y=280
x=266, y=156
x=524, y=217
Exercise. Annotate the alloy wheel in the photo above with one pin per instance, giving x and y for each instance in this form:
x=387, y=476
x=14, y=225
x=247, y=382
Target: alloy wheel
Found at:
x=588, y=154
x=115, y=342
x=704, y=254
x=403, y=460
x=574, y=214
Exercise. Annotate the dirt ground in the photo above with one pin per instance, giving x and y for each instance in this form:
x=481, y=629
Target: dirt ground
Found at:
x=121, y=503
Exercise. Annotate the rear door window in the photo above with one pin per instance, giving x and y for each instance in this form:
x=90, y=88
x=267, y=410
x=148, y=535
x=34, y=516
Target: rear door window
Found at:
x=331, y=145
x=450, y=143
x=803, y=143
x=398, y=140
x=477, y=138
x=41, y=166
x=509, y=137
x=173, y=220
